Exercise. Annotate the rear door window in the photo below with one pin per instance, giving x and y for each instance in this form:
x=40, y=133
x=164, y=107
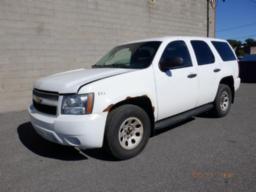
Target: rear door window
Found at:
x=224, y=51
x=203, y=52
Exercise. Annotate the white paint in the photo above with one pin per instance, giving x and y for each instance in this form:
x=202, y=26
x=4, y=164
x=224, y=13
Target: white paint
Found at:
x=169, y=94
x=175, y=91
x=70, y=81
x=89, y=129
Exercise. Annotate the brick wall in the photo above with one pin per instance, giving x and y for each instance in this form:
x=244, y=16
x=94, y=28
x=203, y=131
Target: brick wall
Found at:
x=41, y=37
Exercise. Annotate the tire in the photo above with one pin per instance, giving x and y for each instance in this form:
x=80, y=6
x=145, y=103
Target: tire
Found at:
x=127, y=131
x=222, y=103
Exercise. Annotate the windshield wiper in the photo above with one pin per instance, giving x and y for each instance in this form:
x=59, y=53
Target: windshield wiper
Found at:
x=119, y=65
x=98, y=66
x=115, y=65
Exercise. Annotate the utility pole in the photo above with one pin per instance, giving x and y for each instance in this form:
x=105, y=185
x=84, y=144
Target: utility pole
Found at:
x=208, y=18
x=213, y=4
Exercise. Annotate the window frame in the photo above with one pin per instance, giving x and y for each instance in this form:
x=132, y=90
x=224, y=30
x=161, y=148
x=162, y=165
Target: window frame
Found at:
x=189, y=53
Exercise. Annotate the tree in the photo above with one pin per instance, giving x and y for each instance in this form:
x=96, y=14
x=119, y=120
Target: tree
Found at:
x=238, y=46
x=250, y=42
x=242, y=48
x=235, y=43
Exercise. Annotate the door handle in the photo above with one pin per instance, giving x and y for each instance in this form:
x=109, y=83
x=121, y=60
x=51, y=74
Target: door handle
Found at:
x=216, y=70
x=192, y=75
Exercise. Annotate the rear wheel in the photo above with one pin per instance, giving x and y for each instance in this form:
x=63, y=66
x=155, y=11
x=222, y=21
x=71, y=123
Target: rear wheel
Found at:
x=127, y=131
x=222, y=103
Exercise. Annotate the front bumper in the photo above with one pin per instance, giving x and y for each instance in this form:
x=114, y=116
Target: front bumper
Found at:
x=82, y=131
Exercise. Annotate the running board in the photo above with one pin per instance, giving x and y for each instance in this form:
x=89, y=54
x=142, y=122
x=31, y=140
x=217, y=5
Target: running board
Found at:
x=182, y=116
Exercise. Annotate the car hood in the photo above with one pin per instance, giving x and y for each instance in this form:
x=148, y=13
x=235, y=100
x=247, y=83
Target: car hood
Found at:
x=71, y=81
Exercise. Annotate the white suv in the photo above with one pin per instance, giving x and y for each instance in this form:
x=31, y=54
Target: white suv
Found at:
x=134, y=89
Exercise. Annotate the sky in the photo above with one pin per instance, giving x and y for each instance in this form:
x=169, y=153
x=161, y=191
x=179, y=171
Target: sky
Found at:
x=236, y=19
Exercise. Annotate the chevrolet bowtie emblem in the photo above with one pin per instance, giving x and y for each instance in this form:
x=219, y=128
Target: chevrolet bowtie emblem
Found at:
x=37, y=99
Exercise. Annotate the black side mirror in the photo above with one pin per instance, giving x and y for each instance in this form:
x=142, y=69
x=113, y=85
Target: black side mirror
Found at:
x=167, y=64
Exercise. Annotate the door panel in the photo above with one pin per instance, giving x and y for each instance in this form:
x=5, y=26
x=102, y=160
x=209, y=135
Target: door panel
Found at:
x=177, y=88
x=208, y=70
x=208, y=84
x=176, y=91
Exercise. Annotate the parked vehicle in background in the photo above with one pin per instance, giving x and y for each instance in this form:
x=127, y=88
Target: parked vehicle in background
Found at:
x=247, y=66
x=249, y=58
x=136, y=88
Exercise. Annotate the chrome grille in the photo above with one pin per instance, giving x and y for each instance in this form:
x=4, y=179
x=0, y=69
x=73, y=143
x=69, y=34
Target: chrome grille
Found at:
x=46, y=94
x=45, y=101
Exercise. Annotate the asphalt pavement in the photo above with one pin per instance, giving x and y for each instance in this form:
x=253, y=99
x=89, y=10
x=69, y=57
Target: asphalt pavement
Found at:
x=202, y=154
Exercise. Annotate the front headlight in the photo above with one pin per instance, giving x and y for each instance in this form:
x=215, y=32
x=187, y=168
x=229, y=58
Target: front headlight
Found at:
x=77, y=104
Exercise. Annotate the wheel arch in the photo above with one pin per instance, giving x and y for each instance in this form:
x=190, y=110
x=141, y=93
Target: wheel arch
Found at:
x=229, y=81
x=143, y=102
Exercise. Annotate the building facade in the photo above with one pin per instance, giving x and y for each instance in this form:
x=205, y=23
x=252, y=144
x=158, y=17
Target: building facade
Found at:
x=42, y=37
x=253, y=50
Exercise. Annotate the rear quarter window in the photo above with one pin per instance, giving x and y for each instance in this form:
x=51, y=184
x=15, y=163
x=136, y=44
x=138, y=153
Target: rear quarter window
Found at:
x=224, y=51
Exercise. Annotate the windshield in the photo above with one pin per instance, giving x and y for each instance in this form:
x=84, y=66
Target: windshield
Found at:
x=134, y=56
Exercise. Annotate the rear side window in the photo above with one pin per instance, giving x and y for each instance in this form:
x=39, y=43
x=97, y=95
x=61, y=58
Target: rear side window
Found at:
x=224, y=51
x=203, y=52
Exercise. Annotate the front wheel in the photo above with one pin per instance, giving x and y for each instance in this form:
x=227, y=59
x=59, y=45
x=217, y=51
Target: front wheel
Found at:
x=222, y=103
x=127, y=131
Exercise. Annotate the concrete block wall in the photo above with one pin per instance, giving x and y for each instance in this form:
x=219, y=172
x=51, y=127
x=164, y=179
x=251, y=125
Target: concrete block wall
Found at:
x=41, y=37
